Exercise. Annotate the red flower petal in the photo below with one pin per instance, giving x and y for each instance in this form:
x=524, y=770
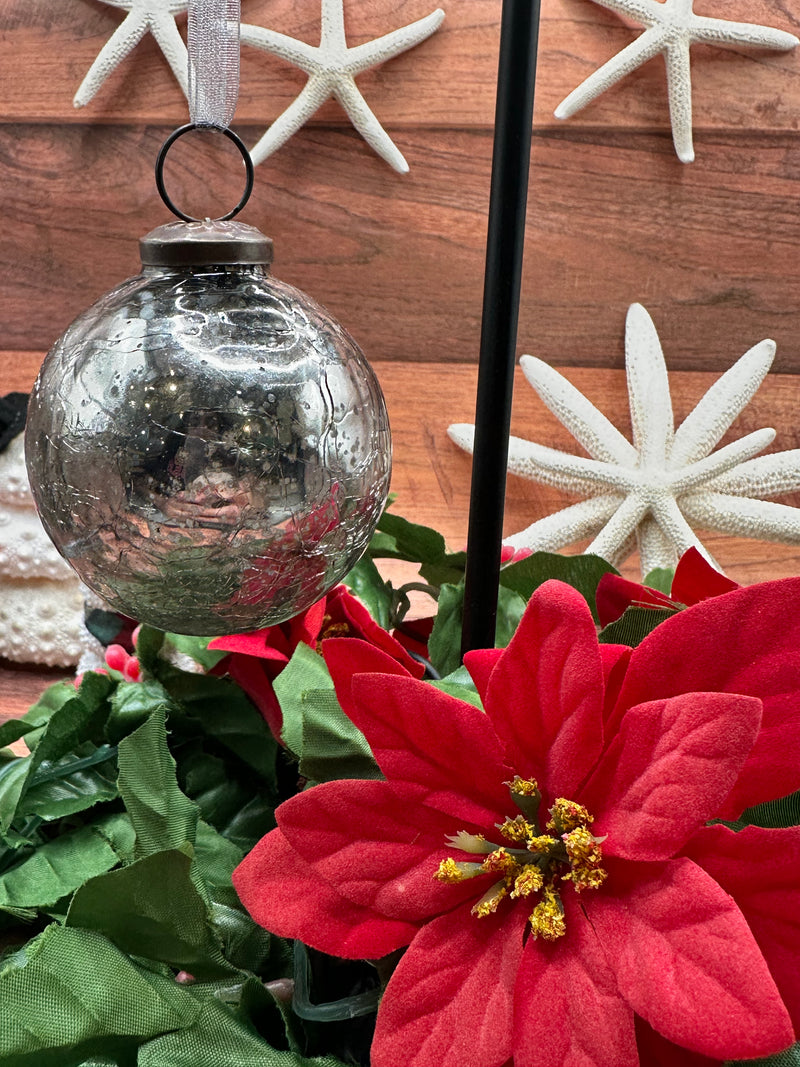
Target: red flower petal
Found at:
x=686, y=961
x=345, y=657
x=747, y=641
x=480, y=663
x=615, y=594
x=284, y=894
x=656, y=1051
x=449, y=1002
x=379, y=845
x=695, y=579
x=668, y=770
x=545, y=694
x=615, y=663
x=419, y=734
x=568, y=1010
x=761, y=871
x=268, y=644
x=342, y=604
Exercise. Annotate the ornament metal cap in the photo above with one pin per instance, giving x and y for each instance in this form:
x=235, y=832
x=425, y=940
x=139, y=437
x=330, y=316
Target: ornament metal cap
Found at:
x=205, y=244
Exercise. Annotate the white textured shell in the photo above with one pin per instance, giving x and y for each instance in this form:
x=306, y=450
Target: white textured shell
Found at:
x=41, y=599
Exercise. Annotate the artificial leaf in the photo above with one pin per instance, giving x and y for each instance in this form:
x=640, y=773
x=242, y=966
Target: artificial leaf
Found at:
x=332, y=746
x=133, y=703
x=304, y=671
x=415, y=543
x=510, y=609
x=153, y=910
x=162, y=816
x=196, y=648
x=660, y=578
x=459, y=684
x=789, y=1058
x=634, y=625
x=76, y=782
x=581, y=572
x=371, y=589
x=60, y=866
x=444, y=645
x=248, y=946
x=70, y=994
x=234, y=805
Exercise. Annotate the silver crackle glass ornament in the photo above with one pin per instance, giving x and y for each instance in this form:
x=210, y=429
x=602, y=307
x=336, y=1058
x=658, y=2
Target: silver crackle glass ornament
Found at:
x=206, y=446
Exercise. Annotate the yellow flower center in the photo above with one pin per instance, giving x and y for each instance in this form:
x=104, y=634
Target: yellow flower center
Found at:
x=533, y=863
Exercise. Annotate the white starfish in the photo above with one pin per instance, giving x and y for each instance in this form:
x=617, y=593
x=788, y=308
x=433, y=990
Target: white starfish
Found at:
x=332, y=68
x=671, y=28
x=666, y=481
x=155, y=16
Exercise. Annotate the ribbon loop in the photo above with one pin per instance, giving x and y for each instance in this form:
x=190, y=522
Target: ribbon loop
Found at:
x=214, y=28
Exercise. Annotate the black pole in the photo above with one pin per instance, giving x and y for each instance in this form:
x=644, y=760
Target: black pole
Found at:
x=519, y=35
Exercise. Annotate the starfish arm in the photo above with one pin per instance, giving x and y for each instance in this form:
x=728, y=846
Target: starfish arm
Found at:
x=648, y=389
x=372, y=53
x=298, y=53
x=590, y=428
x=365, y=121
x=742, y=517
x=721, y=461
x=121, y=42
x=679, y=91
x=171, y=44
x=521, y=461
x=566, y=526
x=771, y=475
x=723, y=33
x=314, y=94
x=704, y=427
x=649, y=44
x=644, y=11
x=565, y=471
x=676, y=528
x=655, y=548
x=618, y=529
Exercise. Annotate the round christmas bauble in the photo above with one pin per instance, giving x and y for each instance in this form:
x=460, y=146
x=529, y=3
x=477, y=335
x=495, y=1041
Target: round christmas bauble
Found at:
x=206, y=446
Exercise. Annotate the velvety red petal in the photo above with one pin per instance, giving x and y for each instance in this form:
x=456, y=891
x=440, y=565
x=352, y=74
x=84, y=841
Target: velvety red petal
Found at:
x=747, y=641
x=284, y=894
x=419, y=734
x=480, y=663
x=667, y=770
x=305, y=627
x=567, y=1008
x=615, y=659
x=345, y=657
x=686, y=961
x=380, y=845
x=545, y=695
x=615, y=594
x=656, y=1051
x=343, y=604
x=450, y=1001
x=260, y=643
x=695, y=579
x=761, y=871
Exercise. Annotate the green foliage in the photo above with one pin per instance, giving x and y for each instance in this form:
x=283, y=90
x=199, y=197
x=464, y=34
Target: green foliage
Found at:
x=634, y=625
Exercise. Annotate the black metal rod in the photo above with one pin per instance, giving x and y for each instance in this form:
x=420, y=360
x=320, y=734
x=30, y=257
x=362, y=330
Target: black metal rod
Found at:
x=519, y=35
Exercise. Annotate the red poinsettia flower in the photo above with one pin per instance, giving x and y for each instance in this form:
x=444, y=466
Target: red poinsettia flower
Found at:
x=257, y=658
x=694, y=580
x=548, y=862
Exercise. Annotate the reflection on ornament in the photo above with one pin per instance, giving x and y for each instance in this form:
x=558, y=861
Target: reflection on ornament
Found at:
x=207, y=447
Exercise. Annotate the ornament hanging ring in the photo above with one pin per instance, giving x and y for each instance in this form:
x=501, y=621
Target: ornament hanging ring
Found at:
x=170, y=141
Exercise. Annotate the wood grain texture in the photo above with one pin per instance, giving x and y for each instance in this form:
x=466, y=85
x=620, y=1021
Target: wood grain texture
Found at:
x=710, y=249
x=46, y=47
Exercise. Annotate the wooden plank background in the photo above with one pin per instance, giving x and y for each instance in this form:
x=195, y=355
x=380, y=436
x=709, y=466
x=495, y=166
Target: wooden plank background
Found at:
x=711, y=248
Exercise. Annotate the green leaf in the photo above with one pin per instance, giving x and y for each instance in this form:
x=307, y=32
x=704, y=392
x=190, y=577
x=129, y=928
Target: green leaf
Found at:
x=510, y=609
x=460, y=684
x=415, y=543
x=332, y=746
x=235, y=806
x=444, y=646
x=581, y=572
x=76, y=782
x=162, y=816
x=660, y=578
x=215, y=858
x=634, y=625
x=59, y=867
x=132, y=704
x=70, y=994
x=305, y=671
x=774, y=814
x=375, y=593
x=248, y=946
x=196, y=648
x=75, y=722
x=153, y=910
x=449, y=569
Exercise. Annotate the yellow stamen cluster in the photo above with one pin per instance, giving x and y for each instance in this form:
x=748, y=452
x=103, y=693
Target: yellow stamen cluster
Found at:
x=532, y=862
x=331, y=629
